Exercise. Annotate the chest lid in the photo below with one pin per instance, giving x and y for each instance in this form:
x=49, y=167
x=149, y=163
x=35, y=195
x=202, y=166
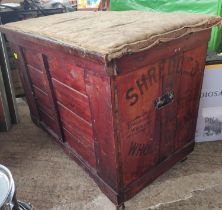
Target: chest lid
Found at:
x=111, y=35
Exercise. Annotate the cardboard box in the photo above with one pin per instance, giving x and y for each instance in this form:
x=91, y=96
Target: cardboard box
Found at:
x=209, y=123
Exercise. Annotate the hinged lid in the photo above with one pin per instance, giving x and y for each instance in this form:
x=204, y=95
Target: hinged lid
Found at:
x=113, y=34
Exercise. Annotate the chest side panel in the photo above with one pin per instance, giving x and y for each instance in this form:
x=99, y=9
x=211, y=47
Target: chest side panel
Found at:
x=68, y=81
x=57, y=95
x=16, y=51
x=152, y=132
x=189, y=94
x=39, y=94
x=138, y=124
x=170, y=78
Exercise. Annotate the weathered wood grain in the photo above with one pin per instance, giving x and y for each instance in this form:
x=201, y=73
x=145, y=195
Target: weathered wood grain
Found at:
x=126, y=121
x=72, y=99
x=189, y=94
x=84, y=150
x=138, y=119
x=32, y=57
x=63, y=68
x=171, y=77
x=37, y=77
x=26, y=81
x=99, y=92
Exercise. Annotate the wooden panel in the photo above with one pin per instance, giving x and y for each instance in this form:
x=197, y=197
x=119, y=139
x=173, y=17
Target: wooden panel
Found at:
x=69, y=87
x=64, y=69
x=25, y=78
x=130, y=148
x=49, y=122
x=99, y=92
x=139, y=129
x=189, y=94
x=171, y=75
x=75, y=125
x=86, y=143
x=83, y=150
x=37, y=77
x=51, y=93
x=44, y=102
x=32, y=58
x=92, y=62
x=37, y=69
x=72, y=99
x=164, y=50
x=159, y=169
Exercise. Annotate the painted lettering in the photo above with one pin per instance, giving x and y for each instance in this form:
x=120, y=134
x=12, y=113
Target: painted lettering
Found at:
x=211, y=94
x=194, y=65
x=155, y=73
x=139, y=124
x=132, y=96
x=138, y=149
x=142, y=85
x=175, y=65
x=152, y=75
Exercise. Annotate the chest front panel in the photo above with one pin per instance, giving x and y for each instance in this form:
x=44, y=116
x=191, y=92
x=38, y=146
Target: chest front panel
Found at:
x=157, y=107
x=138, y=124
x=58, y=94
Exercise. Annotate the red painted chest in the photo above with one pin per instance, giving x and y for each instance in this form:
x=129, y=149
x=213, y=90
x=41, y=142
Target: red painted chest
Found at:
x=126, y=118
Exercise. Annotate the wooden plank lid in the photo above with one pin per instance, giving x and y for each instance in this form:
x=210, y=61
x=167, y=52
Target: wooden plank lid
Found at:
x=113, y=34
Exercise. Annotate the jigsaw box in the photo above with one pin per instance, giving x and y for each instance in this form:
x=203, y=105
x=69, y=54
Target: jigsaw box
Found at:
x=118, y=90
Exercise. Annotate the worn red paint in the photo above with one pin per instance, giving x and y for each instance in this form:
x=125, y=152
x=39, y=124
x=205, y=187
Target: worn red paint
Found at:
x=108, y=122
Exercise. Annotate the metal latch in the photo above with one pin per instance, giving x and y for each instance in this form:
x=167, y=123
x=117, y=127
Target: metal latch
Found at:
x=163, y=100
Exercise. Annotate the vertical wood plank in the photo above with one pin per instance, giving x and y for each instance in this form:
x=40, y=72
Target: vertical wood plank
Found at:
x=99, y=92
x=25, y=78
x=139, y=120
x=189, y=94
x=171, y=75
x=51, y=94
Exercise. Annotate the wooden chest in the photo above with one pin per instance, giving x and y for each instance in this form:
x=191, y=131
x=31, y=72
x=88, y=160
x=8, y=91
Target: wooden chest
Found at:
x=126, y=116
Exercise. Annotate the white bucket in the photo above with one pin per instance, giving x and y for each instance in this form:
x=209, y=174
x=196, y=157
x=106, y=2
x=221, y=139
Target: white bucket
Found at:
x=7, y=190
x=8, y=199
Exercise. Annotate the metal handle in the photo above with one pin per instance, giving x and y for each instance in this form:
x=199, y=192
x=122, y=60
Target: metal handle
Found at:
x=164, y=100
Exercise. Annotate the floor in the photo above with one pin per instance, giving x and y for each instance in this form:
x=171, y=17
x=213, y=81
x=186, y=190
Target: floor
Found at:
x=50, y=180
